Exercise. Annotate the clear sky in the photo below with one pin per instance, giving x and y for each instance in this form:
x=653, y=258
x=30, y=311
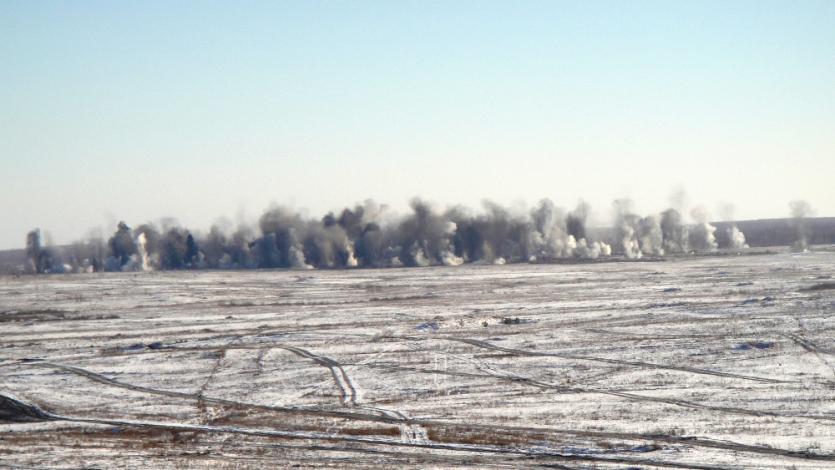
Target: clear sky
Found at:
x=138, y=110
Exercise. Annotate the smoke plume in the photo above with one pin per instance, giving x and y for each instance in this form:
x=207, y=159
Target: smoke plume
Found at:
x=703, y=235
x=674, y=232
x=370, y=235
x=735, y=239
x=626, y=229
x=800, y=211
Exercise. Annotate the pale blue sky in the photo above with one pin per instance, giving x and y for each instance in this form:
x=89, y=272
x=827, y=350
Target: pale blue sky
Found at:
x=137, y=110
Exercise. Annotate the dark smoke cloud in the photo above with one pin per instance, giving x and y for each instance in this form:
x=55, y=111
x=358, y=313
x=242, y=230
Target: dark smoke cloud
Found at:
x=178, y=250
x=41, y=259
x=35, y=255
x=369, y=235
x=122, y=245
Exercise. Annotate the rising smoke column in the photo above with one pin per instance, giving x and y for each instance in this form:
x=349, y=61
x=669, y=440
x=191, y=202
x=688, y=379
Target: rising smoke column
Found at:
x=33, y=251
x=800, y=211
x=575, y=221
x=224, y=250
x=626, y=229
x=178, y=250
x=370, y=246
x=467, y=241
x=38, y=260
x=650, y=236
x=326, y=244
x=148, y=249
x=506, y=236
x=129, y=250
x=550, y=237
x=214, y=248
x=575, y=225
x=735, y=237
x=122, y=247
x=703, y=235
x=674, y=232
x=281, y=245
x=363, y=226
x=425, y=238
x=555, y=234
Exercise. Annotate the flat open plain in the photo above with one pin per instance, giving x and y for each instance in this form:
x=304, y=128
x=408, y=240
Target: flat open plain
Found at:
x=704, y=362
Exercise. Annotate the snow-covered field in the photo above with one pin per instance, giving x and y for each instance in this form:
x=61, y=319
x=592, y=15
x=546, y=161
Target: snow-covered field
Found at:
x=710, y=362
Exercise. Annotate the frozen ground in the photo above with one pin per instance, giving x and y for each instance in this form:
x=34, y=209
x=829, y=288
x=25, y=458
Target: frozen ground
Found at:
x=715, y=362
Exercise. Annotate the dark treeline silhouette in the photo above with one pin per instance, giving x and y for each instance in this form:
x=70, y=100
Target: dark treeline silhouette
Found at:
x=368, y=235
x=782, y=232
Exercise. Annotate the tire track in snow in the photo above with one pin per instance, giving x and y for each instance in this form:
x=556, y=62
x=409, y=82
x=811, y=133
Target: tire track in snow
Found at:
x=35, y=413
x=96, y=377
x=341, y=378
x=344, y=382
x=813, y=348
x=647, y=365
x=685, y=440
x=517, y=379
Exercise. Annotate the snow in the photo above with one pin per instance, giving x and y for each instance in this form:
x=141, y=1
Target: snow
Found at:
x=611, y=364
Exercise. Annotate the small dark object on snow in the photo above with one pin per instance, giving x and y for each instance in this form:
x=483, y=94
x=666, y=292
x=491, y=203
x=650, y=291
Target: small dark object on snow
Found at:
x=673, y=289
x=754, y=345
x=430, y=325
x=646, y=448
x=511, y=321
x=155, y=345
x=211, y=355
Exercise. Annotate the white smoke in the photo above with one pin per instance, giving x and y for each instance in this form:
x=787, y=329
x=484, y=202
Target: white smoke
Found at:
x=800, y=210
x=592, y=250
x=550, y=237
x=351, y=262
x=704, y=234
x=139, y=261
x=297, y=260
x=631, y=247
x=449, y=259
x=737, y=238
x=674, y=232
x=626, y=224
x=419, y=256
x=651, y=237
x=141, y=242
x=705, y=237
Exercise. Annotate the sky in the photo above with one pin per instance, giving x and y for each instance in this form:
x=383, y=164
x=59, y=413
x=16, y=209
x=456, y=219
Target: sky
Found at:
x=196, y=110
